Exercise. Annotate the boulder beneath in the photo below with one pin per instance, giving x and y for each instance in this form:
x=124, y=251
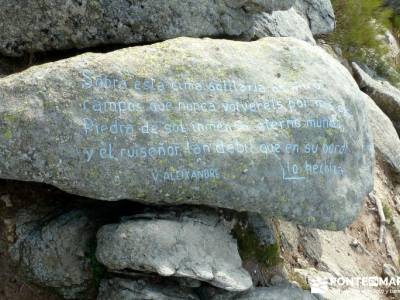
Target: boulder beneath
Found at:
x=56, y=25
x=54, y=252
x=196, y=246
x=286, y=23
x=319, y=14
x=127, y=289
x=282, y=292
x=386, y=96
x=275, y=126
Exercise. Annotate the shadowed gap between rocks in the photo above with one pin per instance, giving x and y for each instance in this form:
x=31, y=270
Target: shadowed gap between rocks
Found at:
x=12, y=65
x=44, y=208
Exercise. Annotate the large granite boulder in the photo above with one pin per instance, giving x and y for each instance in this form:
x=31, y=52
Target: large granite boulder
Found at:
x=275, y=126
x=285, y=23
x=319, y=14
x=130, y=289
x=196, y=246
x=54, y=250
x=55, y=24
x=386, y=96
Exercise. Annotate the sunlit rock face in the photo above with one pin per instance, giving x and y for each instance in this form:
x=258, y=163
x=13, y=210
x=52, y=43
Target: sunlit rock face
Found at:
x=274, y=126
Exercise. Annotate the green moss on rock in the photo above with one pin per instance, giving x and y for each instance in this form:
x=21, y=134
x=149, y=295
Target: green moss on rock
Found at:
x=387, y=211
x=251, y=248
x=300, y=280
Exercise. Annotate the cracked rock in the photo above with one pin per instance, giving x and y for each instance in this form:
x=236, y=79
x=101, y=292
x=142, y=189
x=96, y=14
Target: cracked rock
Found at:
x=319, y=13
x=54, y=252
x=386, y=96
x=126, y=289
x=386, y=139
x=193, y=246
x=82, y=125
x=287, y=23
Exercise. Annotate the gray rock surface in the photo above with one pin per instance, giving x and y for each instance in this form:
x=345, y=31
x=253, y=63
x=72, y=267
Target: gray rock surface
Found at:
x=275, y=126
x=55, y=24
x=282, y=292
x=386, y=139
x=196, y=246
x=263, y=228
x=386, y=96
x=54, y=252
x=289, y=235
x=336, y=52
x=389, y=271
x=394, y=3
x=319, y=13
x=126, y=289
x=286, y=23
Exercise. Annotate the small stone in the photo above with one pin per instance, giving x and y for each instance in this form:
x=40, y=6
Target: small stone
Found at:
x=302, y=262
x=276, y=280
x=357, y=246
x=7, y=200
x=389, y=271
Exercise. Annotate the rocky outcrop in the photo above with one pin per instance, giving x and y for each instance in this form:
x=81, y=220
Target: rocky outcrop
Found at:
x=54, y=252
x=287, y=23
x=302, y=21
x=189, y=121
x=386, y=139
x=319, y=14
x=386, y=96
x=318, y=256
x=126, y=289
x=193, y=246
x=55, y=25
